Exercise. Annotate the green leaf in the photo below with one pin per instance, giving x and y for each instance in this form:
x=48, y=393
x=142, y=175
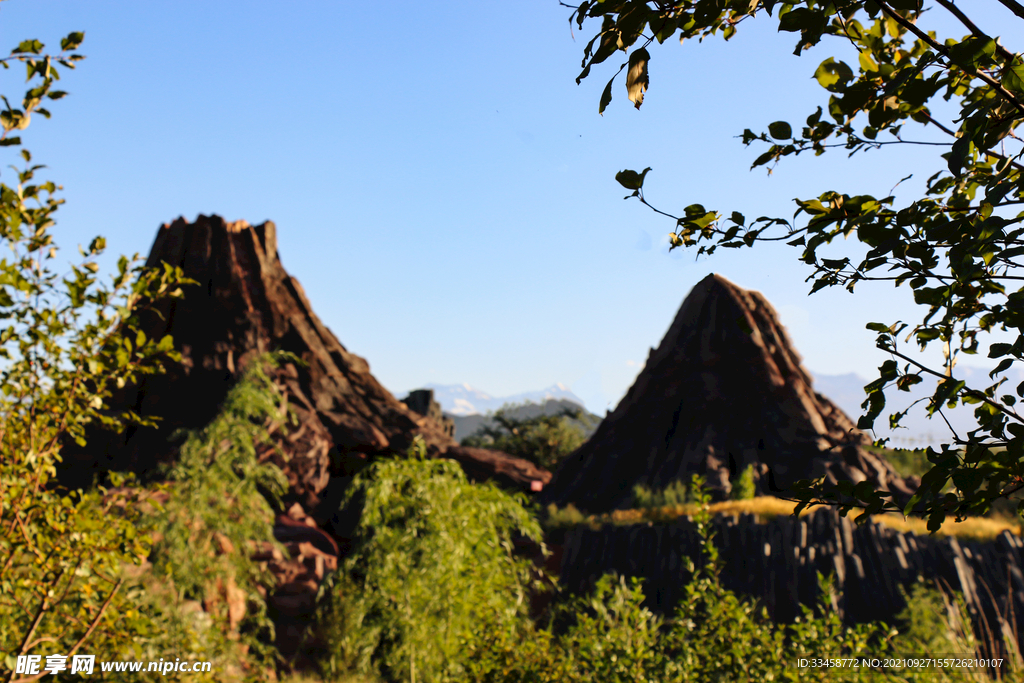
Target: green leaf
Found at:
x=867, y=62
x=637, y=78
x=967, y=480
x=945, y=391
x=631, y=180
x=33, y=47
x=1013, y=77
x=798, y=19
x=973, y=53
x=958, y=155
x=833, y=75
x=72, y=40
x=606, y=97
x=780, y=130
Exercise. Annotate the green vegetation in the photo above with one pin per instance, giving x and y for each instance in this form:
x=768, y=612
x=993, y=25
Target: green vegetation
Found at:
x=744, y=488
x=543, y=440
x=67, y=343
x=74, y=570
x=955, y=245
x=714, y=635
x=433, y=588
x=217, y=509
x=907, y=462
x=432, y=561
x=672, y=495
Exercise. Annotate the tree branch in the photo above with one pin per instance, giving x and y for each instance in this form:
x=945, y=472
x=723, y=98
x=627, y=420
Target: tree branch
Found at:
x=99, y=615
x=972, y=392
x=941, y=49
x=1014, y=7
x=972, y=27
x=989, y=152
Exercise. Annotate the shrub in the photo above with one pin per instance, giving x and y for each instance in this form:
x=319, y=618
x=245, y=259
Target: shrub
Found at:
x=672, y=495
x=744, y=488
x=216, y=509
x=432, y=557
x=609, y=637
x=714, y=635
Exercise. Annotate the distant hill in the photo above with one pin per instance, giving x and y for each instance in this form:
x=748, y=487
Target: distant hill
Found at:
x=468, y=424
x=462, y=400
x=847, y=391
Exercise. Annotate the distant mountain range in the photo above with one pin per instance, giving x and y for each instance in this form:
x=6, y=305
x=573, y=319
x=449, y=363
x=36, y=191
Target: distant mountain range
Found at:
x=467, y=405
x=462, y=400
x=847, y=392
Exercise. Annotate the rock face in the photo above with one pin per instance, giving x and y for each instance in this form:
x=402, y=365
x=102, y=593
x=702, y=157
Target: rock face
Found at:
x=246, y=304
x=724, y=390
x=421, y=402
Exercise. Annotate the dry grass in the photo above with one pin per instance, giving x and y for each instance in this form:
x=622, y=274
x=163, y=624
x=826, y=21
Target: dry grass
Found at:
x=767, y=507
x=307, y=678
x=972, y=528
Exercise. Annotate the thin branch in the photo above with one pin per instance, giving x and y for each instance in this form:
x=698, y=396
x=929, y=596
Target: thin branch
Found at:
x=989, y=152
x=972, y=27
x=956, y=437
x=971, y=392
x=1014, y=7
x=32, y=629
x=99, y=615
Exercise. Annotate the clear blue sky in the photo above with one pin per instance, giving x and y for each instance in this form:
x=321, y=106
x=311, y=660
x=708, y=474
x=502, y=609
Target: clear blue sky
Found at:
x=442, y=188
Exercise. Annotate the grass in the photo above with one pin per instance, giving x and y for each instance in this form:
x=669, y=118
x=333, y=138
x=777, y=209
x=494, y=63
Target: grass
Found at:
x=311, y=678
x=768, y=507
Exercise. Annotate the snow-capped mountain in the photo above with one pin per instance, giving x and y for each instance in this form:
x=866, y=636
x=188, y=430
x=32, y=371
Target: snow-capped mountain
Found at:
x=462, y=399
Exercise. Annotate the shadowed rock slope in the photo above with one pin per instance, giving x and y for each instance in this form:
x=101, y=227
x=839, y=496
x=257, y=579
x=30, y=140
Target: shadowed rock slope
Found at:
x=246, y=304
x=725, y=389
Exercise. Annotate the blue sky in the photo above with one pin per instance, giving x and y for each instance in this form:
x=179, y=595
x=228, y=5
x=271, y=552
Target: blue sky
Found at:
x=442, y=188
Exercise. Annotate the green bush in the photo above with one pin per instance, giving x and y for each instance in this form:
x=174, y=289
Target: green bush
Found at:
x=672, y=495
x=744, y=488
x=217, y=507
x=714, y=635
x=432, y=557
x=610, y=637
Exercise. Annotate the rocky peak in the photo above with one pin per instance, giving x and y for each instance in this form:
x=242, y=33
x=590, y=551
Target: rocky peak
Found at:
x=725, y=389
x=246, y=304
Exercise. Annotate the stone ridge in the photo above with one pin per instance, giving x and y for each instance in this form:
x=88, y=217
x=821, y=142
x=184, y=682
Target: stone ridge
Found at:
x=724, y=389
x=246, y=304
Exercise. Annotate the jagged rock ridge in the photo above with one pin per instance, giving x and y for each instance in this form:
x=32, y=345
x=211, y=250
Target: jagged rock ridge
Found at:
x=725, y=389
x=246, y=304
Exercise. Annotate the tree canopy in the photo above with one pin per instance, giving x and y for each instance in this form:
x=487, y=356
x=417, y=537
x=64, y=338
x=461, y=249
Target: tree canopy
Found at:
x=957, y=247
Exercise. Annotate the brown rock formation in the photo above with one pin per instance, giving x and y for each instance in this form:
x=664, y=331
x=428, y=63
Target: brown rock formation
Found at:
x=421, y=402
x=724, y=390
x=246, y=304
